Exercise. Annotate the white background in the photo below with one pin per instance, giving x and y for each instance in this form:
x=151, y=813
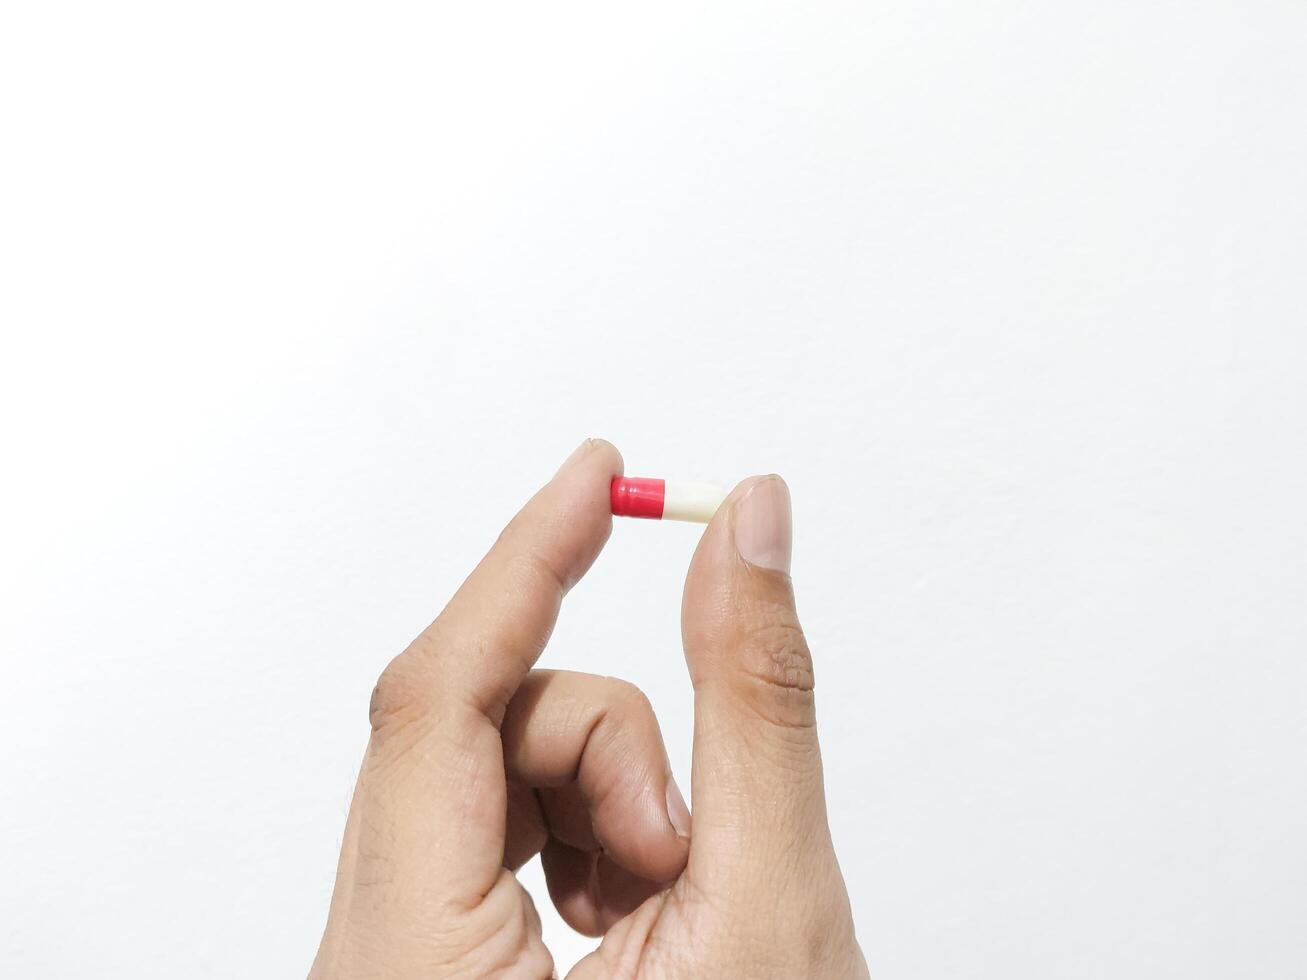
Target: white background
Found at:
x=300, y=301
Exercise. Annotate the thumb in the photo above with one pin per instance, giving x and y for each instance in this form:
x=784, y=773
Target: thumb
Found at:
x=759, y=804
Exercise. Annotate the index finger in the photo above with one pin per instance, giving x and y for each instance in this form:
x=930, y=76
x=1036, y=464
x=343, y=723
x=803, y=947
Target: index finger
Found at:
x=427, y=825
x=496, y=626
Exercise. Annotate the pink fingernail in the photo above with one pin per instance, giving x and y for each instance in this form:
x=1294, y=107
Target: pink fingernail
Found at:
x=762, y=525
x=677, y=812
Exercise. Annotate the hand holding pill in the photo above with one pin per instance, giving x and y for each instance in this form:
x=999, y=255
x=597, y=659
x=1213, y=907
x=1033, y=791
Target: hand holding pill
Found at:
x=477, y=762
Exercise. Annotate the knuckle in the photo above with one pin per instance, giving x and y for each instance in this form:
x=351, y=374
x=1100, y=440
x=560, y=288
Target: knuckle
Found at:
x=628, y=699
x=535, y=575
x=624, y=712
x=777, y=654
x=404, y=692
x=777, y=664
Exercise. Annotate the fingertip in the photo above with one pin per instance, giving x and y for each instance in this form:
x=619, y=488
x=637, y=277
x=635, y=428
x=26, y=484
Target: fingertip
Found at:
x=645, y=827
x=593, y=453
x=500, y=619
x=572, y=509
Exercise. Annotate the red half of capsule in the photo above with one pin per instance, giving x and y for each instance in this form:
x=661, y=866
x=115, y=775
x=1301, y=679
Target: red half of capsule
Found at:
x=637, y=496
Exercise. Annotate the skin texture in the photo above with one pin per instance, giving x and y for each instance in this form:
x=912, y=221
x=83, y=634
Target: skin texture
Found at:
x=477, y=762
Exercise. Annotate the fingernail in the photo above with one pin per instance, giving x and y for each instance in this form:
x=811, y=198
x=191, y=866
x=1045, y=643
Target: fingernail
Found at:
x=762, y=525
x=677, y=812
x=577, y=453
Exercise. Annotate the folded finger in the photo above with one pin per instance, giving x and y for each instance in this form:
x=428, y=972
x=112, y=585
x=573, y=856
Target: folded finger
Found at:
x=593, y=748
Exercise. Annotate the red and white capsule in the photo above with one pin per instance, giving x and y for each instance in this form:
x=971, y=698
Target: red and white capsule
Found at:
x=665, y=500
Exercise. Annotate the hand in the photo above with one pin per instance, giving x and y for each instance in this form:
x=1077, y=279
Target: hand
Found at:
x=477, y=762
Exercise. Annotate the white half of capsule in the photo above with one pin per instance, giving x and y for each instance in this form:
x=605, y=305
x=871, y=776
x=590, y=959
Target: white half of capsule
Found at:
x=691, y=501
